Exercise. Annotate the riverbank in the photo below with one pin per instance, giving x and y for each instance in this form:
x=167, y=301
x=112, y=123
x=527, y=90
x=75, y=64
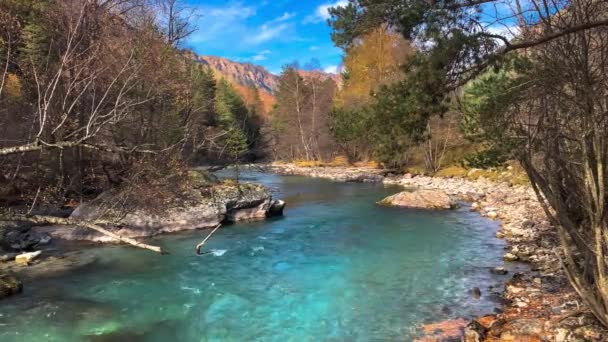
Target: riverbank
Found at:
x=538, y=305
x=31, y=251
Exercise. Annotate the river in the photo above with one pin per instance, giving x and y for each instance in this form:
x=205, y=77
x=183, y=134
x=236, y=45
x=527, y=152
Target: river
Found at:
x=336, y=267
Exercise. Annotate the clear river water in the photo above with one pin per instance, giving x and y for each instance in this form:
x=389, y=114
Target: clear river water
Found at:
x=336, y=267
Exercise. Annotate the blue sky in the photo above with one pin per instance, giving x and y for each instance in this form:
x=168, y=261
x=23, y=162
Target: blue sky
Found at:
x=270, y=33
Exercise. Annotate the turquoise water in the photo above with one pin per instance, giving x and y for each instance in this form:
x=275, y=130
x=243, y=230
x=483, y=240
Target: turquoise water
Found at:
x=337, y=267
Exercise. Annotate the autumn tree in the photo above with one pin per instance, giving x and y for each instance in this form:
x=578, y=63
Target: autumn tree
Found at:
x=371, y=62
x=95, y=96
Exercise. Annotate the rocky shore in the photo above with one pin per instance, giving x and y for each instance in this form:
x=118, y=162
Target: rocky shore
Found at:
x=538, y=305
x=30, y=251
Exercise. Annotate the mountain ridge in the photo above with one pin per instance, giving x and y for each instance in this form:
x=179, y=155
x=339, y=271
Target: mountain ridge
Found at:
x=246, y=75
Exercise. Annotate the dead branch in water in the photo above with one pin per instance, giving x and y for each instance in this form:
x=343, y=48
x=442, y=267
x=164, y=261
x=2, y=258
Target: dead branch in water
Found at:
x=198, y=247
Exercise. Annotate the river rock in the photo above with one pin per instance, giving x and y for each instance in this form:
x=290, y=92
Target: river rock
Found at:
x=510, y=257
x=474, y=332
x=492, y=215
x=9, y=285
x=254, y=210
x=522, y=329
x=420, y=199
x=23, y=241
x=499, y=270
x=27, y=258
x=276, y=208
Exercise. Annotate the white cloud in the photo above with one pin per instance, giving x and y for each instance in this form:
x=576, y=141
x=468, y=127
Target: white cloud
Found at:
x=286, y=16
x=261, y=56
x=313, y=48
x=266, y=33
x=322, y=12
x=235, y=10
x=221, y=21
x=332, y=69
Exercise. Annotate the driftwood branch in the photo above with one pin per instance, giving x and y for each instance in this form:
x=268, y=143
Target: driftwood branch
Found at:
x=200, y=245
x=38, y=219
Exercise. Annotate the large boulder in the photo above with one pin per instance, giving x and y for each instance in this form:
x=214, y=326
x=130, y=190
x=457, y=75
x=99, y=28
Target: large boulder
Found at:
x=25, y=241
x=420, y=199
x=200, y=207
x=19, y=236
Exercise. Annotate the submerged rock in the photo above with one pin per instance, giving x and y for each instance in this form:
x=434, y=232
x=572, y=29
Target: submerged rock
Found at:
x=499, y=270
x=9, y=285
x=421, y=199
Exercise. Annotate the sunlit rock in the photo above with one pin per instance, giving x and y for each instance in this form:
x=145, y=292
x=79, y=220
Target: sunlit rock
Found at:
x=421, y=199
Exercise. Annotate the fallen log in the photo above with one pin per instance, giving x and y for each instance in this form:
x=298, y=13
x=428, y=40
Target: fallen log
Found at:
x=95, y=225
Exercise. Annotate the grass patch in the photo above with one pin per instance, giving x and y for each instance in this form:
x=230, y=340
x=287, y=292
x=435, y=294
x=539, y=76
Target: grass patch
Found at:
x=452, y=172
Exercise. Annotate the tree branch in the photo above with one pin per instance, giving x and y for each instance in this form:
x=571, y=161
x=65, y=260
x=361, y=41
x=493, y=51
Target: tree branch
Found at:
x=70, y=222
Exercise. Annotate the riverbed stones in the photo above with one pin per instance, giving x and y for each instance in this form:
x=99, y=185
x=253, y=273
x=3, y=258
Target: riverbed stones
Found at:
x=9, y=285
x=420, y=199
x=27, y=258
x=510, y=257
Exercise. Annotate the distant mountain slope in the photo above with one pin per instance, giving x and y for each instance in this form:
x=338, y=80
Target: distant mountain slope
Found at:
x=245, y=75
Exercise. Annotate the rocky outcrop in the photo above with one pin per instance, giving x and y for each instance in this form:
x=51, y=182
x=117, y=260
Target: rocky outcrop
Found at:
x=198, y=208
x=246, y=74
x=420, y=199
x=19, y=237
